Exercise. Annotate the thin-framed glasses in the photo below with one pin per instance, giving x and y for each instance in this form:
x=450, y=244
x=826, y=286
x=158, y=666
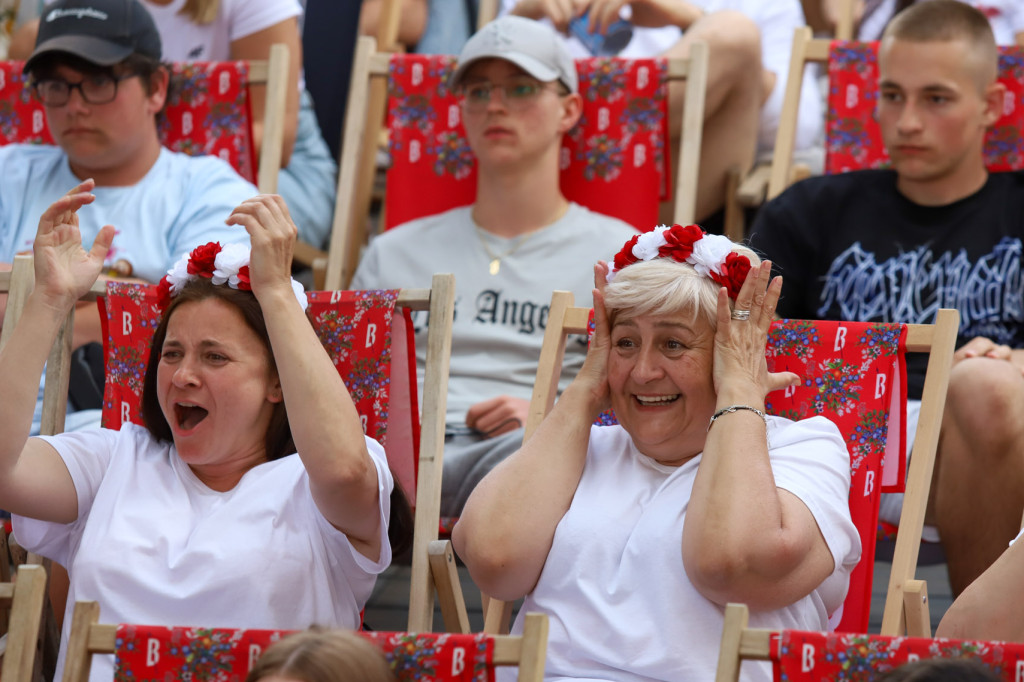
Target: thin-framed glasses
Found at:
x=516, y=93
x=100, y=88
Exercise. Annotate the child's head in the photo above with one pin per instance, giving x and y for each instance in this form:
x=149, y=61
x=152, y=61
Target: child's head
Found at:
x=322, y=656
x=941, y=670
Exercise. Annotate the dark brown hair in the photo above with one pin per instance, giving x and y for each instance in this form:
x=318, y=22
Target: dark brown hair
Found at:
x=323, y=656
x=941, y=670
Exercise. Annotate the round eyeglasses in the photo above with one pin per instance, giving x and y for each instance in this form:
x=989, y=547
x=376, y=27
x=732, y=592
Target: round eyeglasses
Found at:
x=515, y=94
x=100, y=88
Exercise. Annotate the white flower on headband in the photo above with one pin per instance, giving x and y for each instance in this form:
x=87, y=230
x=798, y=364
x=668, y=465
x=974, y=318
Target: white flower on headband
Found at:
x=709, y=253
x=231, y=259
x=649, y=243
x=221, y=265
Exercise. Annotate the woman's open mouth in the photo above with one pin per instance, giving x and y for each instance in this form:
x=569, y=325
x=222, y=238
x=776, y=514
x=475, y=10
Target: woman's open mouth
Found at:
x=188, y=415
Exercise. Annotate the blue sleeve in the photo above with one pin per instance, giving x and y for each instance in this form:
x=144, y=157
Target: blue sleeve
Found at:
x=214, y=191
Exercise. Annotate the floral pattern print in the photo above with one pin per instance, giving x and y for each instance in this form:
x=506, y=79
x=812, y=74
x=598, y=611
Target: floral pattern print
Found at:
x=804, y=656
x=617, y=149
x=145, y=653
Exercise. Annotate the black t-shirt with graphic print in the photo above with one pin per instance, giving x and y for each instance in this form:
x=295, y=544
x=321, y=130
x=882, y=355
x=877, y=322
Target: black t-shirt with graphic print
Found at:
x=851, y=247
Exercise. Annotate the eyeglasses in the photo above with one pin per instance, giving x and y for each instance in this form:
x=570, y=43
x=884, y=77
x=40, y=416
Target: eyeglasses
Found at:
x=516, y=93
x=99, y=88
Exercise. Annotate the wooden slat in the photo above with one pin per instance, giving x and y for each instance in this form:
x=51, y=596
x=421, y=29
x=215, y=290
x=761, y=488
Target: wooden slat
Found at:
x=26, y=615
x=688, y=167
x=446, y=582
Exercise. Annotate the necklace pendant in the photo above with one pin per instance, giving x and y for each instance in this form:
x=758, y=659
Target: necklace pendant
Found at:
x=495, y=266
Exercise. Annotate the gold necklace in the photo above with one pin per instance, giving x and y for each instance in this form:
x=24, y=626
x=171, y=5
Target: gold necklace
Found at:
x=495, y=264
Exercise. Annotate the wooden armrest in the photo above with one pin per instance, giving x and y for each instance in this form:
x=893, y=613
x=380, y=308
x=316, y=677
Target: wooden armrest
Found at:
x=754, y=187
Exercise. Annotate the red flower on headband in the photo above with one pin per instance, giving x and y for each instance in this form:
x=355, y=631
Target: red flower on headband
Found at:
x=625, y=256
x=679, y=242
x=201, y=260
x=734, y=273
x=243, y=278
x=163, y=292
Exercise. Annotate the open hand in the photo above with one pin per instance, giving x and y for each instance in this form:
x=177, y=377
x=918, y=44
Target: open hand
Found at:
x=64, y=270
x=739, y=362
x=272, y=235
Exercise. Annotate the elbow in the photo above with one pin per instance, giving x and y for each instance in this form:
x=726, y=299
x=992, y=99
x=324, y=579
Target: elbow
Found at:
x=492, y=569
x=743, y=573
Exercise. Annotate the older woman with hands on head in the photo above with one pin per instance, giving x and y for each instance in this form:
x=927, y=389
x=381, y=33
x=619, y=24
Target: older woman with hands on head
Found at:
x=206, y=515
x=633, y=537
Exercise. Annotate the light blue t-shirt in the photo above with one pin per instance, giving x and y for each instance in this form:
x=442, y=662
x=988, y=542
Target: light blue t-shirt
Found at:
x=182, y=202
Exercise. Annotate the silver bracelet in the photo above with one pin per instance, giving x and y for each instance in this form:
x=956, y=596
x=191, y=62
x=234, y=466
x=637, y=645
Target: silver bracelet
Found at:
x=737, y=408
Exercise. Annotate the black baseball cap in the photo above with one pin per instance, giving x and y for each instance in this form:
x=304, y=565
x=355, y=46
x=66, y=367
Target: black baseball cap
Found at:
x=103, y=32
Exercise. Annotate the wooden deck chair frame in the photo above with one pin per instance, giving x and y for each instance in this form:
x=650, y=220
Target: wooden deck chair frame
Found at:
x=439, y=300
x=367, y=102
x=24, y=600
x=806, y=49
x=527, y=651
x=906, y=603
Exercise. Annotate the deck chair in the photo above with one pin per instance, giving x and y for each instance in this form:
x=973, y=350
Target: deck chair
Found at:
x=799, y=656
x=852, y=137
x=155, y=652
x=21, y=612
x=858, y=354
x=619, y=148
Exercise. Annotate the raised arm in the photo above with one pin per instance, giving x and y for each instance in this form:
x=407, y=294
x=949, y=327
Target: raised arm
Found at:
x=324, y=423
x=507, y=527
x=33, y=479
x=744, y=539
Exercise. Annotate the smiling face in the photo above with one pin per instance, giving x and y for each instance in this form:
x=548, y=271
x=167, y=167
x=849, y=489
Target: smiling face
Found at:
x=936, y=102
x=530, y=130
x=659, y=373
x=217, y=389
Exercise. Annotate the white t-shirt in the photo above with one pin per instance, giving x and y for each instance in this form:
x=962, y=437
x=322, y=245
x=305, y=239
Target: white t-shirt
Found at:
x=614, y=585
x=777, y=19
x=184, y=40
x=499, y=319
x=152, y=544
x=1005, y=16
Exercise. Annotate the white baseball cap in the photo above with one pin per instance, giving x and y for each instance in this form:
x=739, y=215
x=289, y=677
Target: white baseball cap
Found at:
x=531, y=45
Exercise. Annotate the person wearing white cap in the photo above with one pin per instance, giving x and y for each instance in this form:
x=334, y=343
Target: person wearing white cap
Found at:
x=749, y=44
x=96, y=69
x=509, y=250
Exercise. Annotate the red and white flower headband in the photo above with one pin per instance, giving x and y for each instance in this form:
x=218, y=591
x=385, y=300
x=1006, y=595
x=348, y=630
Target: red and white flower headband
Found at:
x=711, y=255
x=228, y=264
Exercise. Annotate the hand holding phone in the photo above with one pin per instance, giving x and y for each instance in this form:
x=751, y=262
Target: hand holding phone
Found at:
x=607, y=44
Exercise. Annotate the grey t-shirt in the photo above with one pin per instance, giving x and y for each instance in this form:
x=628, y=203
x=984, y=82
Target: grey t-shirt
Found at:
x=499, y=319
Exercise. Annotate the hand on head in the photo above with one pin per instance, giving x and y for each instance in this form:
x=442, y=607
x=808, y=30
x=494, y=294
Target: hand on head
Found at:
x=272, y=235
x=594, y=373
x=739, y=361
x=64, y=269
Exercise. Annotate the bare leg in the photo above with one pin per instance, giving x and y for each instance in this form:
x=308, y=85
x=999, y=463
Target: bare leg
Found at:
x=979, y=491
x=732, y=105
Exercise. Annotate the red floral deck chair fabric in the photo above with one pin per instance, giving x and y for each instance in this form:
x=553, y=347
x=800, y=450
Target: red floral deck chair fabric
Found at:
x=361, y=331
x=223, y=655
x=207, y=112
x=853, y=138
x=798, y=656
x=618, y=149
x=203, y=654
x=854, y=373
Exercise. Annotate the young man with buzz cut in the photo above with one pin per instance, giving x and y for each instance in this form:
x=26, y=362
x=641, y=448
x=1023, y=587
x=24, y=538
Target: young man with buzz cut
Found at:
x=520, y=240
x=937, y=230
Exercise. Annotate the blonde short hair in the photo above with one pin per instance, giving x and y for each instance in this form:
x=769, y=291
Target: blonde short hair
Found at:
x=664, y=286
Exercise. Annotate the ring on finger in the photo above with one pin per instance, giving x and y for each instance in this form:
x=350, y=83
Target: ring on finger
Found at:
x=740, y=315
